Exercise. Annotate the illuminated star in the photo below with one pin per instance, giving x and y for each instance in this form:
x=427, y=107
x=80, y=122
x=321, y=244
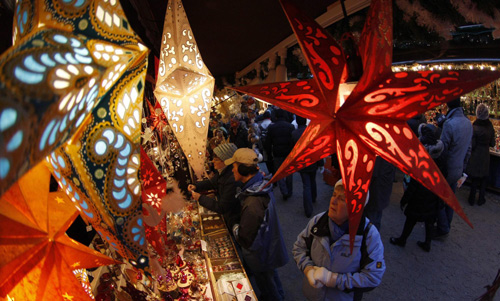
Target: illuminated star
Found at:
x=59, y=200
x=67, y=297
x=372, y=121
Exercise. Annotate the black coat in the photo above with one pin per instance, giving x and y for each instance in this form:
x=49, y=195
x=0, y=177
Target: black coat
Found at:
x=422, y=204
x=240, y=138
x=381, y=185
x=483, y=136
x=279, y=138
x=225, y=202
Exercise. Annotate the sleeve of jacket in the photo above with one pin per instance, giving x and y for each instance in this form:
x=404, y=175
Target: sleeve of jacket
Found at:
x=250, y=221
x=300, y=250
x=226, y=199
x=205, y=185
x=446, y=135
x=493, y=138
x=371, y=274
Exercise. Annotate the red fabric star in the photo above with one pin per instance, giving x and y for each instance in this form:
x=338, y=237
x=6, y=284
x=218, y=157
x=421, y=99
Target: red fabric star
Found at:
x=372, y=121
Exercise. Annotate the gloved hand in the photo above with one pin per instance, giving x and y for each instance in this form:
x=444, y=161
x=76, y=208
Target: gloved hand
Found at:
x=309, y=272
x=325, y=276
x=321, y=169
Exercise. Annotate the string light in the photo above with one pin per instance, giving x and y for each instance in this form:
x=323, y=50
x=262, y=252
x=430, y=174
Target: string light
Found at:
x=445, y=66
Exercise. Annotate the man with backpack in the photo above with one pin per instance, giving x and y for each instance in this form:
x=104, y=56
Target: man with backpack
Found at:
x=258, y=232
x=322, y=253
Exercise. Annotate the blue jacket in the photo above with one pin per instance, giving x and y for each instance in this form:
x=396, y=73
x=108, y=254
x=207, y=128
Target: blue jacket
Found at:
x=456, y=137
x=259, y=232
x=353, y=275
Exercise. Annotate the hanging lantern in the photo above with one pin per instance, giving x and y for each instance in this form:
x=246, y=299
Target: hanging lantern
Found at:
x=184, y=86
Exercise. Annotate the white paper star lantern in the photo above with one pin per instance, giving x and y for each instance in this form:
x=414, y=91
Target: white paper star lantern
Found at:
x=184, y=86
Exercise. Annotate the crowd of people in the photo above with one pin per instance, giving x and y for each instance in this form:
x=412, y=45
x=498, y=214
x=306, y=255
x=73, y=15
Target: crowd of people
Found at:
x=239, y=148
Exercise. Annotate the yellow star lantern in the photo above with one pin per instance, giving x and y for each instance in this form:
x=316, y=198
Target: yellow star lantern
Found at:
x=37, y=257
x=66, y=56
x=184, y=86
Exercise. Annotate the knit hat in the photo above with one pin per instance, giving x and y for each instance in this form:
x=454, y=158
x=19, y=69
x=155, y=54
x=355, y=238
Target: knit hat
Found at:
x=225, y=151
x=244, y=156
x=455, y=103
x=482, y=112
x=427, y=134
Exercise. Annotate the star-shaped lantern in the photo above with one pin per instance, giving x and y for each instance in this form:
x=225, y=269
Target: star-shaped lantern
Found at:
x=71, y=90
x=372, y=121
x=184, y=86
x=37, y=257
x=65, y=58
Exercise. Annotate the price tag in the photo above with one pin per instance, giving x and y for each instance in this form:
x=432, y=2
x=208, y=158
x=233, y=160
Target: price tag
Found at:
x=203, y=245
x=89, y=228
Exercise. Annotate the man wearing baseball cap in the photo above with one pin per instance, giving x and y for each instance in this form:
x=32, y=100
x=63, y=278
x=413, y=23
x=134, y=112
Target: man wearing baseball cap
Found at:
x=259, y=231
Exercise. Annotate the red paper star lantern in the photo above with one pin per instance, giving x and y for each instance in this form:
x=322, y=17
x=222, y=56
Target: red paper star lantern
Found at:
x=372, y=121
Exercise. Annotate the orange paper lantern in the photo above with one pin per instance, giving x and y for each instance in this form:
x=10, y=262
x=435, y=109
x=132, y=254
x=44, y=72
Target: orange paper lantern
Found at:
x=37, y=258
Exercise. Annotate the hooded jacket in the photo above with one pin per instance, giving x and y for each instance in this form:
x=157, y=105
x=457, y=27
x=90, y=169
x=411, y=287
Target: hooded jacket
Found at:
x=353, y=275
x=259, y=232
x=456, y=137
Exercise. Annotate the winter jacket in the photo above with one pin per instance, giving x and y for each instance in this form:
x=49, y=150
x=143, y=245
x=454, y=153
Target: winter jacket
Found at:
x=225, y=202
x=456, y=137
x=354, y=276
x=259, y=232
x=381, y=185
x=421, y=203
x=279, y=138
x=483, y=137
x=240, y=138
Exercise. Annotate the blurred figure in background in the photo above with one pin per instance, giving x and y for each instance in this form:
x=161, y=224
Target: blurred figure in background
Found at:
x=307, y=174
x=478, y=168
x=456, y=137
x=279, y=143
x=380, y=190
x=419, y=203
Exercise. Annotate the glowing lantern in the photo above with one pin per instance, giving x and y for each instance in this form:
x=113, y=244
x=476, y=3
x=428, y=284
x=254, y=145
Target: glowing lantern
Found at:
x=184, y=86
x=372, y=121
x=66, y=56
x=37, y=255
x=72, y=88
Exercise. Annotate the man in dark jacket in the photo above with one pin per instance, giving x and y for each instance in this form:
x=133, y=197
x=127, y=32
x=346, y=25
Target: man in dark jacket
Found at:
x=380, y=190
x=456, y=137
x=259, y=232
x=238, y=134
x=307, y=174
x=223, y=182
x=279, y=143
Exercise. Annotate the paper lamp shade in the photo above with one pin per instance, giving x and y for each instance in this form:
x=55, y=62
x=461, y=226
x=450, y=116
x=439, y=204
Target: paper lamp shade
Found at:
x=72, y=88
x=372, y=121
x=99, y=168
x=37, y=257
x=184, y=86
x=66, y=56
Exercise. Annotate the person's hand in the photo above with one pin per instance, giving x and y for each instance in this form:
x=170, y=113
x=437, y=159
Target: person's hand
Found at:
x=321, y=169
x=325, y=277
x=309, y=272
x=195, y=195
x=191, y=187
